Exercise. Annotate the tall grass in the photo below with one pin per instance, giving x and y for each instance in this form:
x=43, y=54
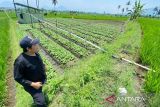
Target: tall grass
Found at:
x=4, y=50
x=150, y=54
x=150, y=41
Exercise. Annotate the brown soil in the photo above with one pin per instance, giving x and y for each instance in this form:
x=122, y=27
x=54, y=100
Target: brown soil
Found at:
x=11, y=89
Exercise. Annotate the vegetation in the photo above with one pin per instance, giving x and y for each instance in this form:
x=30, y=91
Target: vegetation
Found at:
x=150, y=56
x=137, y=10
x=94, y=78
x=157, y=11
x=95, y=33
x=59, y=53
x=89, y=76
x=75, y=49
x=4, y=54
x=89, y=16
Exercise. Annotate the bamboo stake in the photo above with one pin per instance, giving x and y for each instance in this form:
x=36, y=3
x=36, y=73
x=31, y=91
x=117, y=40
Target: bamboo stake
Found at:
x=132, y=62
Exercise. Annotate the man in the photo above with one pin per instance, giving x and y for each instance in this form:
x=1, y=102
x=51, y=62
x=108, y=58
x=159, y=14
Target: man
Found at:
x=29, y=70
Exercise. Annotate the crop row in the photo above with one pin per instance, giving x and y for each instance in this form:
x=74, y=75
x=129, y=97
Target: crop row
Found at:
x=61, y=55
x=102, y=30
x=72, y=47
x=71, y=38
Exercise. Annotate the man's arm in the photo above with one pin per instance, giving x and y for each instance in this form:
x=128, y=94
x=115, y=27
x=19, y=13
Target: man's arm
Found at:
x=18, y=74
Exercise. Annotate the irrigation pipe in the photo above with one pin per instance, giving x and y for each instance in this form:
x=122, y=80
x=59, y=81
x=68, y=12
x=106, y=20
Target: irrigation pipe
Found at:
x=132, y=62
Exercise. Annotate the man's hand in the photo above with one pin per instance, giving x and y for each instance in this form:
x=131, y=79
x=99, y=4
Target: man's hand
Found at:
x=36, y=85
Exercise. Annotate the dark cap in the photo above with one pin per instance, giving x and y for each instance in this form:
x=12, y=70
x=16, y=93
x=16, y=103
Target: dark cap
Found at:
x=28, y=42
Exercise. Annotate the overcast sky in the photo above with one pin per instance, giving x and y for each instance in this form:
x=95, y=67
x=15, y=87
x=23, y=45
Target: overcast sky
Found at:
x=109, y=6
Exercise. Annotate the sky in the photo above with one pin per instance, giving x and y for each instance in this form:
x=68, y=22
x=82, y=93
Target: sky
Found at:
x=109, y=6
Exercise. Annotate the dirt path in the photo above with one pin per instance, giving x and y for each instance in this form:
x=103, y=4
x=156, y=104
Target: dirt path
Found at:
x=11, y=87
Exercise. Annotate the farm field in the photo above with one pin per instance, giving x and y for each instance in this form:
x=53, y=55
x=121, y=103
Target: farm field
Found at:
x=65, y=54
x=92, y=60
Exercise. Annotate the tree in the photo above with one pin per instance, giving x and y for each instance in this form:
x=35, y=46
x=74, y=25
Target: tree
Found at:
x=156, y=10
x=136, y=11
x=54, y=2
x=119, y=6
x=123, y=10
x=128, y=4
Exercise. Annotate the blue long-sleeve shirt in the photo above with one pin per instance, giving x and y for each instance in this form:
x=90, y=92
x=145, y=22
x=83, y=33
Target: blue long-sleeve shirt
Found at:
x=28, y=69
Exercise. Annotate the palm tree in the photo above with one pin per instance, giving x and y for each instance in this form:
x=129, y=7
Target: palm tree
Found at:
x=128, y=4
x=119, y=6
x=123, y=11
x=54, y=2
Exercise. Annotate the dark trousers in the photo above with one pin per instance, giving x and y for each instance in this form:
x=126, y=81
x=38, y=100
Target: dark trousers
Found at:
x=37, y=96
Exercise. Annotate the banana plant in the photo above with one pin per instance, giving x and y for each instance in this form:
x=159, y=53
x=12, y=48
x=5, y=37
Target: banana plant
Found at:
x=136, y=11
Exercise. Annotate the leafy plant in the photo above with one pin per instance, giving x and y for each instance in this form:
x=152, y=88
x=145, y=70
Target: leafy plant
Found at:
x=59, y=53
x=136, y=11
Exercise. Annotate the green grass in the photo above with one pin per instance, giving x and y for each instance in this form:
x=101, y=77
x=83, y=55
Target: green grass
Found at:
x=10, y=13
x=150, y=42
x=4, y=53
x=87, y=16
x=150, y=55
x=76, y=16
